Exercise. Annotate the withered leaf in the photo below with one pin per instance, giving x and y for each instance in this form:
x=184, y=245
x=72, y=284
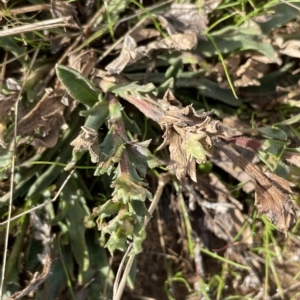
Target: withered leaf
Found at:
x=41, y=113
x=58, y=43
x=187, y=134
x=62, y=9
x=50, y=138
x=222, y=161
x=276, y=205
x=87, y=140
x=290, y=48
x=131, y=53
x=12, y=85
x=186, y=18
x=180, y=162
x=272, y=193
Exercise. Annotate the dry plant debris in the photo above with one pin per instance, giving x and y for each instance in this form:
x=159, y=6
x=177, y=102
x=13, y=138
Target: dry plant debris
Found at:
x=110, y=95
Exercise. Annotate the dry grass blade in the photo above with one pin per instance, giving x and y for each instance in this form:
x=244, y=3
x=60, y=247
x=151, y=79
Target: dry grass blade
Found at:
x=43, y=25
x=12, y=177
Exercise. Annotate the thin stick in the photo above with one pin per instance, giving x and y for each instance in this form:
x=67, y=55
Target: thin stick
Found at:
x=25, y=9
x=48, y=24
x=288, y=290
x=118, y=276
x=43, y=204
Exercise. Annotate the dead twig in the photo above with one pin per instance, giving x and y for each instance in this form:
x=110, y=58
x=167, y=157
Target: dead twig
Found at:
x=37, y=280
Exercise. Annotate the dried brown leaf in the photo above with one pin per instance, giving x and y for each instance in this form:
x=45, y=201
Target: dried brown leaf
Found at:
x=187, y=134
x=290, y=48
x=59, y=42
x=292, y=158
x=131, y=53
x=87, y=140
x=62, y=9
x=186, y=18
x=179, y=42
x=251, y=71
x=144, y=34
x=48, y=117
x=12, y=85
x=179, y=160
x=272, y=195
x=3, y=144
x=50, y=137
x=276, y=205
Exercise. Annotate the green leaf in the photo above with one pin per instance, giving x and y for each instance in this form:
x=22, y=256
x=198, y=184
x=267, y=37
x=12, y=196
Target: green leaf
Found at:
x=49, y=175
x=77, y=86
x=6, y=155
x=140, y=208
x=100, y=271
x=235, y=41
x=57, y=283
x=130, y=124
x=138, y=241
x=210, y=89
x=116, y=242
x=96, y=116
x=141, y=158
x=290, y=121
x=134, y=89
x=195, y=149
x=283, y=13
x=77, y=210
x=272, y=132
x=271, y=153
x=127, y=190
x=132, y=274
x=10, y=45
x=109, y=208
x=174, y=70
x=110, y=152
x=13, y=264
x=115, y=112
x=205, y=86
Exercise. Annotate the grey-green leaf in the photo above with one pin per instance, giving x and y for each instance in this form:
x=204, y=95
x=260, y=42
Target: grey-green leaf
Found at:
x=77, y=86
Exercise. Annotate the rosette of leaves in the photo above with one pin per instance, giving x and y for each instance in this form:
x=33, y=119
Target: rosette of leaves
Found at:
x=127, y=159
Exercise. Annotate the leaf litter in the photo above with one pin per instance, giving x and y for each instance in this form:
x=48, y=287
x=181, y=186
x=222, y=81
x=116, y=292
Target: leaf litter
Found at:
x=192, y=136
